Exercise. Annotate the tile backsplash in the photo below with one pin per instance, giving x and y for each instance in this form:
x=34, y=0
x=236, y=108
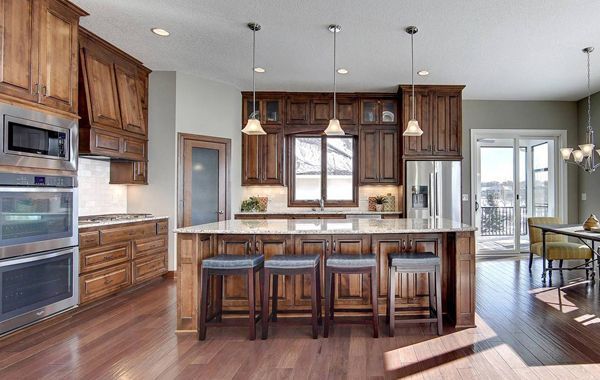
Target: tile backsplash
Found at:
x=278, y=197
x=96, y=196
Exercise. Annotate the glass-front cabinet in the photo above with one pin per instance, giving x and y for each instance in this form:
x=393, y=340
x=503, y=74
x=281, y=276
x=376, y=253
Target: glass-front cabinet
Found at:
x=268, y=110
x=378, y=111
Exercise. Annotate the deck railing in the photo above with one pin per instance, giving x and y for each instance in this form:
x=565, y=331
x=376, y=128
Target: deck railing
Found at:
x=499, y=221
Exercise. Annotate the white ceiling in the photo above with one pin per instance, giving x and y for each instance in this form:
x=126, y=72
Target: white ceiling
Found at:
x=500, y=49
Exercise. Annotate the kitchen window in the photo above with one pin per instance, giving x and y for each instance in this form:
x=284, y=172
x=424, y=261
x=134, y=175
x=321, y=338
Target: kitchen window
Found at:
x=323, y=168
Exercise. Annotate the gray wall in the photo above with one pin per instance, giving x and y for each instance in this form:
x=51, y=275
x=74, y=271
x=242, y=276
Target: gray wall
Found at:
x=589, y=183
x=491, y=114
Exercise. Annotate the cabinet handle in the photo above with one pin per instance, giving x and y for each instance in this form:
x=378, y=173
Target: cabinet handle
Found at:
x=334, y=246
x=44, y=88
x=108, y=281
x=257, y=247
x=410, y=243
x=404, y=245
x=106, y=258
x=326, y=245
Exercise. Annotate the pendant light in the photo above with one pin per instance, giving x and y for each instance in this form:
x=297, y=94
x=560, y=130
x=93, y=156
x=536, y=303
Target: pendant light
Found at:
x=412, y=129
x=253, y=126
x=584, y=156
x=334, y=128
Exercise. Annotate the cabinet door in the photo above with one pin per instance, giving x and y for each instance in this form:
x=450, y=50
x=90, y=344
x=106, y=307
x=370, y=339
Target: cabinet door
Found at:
x=251, y=159
x=347, y=111
x=248, y=110
x=130, y=104
x=309, y=245
x=389, y=111
x=271, y=111
x=388, y=156
x=140, y=172
x=133, y=149
x=272, y=154
x=383, y=246
x=19, y=22
x=418, y=146
x=447, y=124
x=320, y=111
x=369, y=111
x=235, y=288
x=271, y=245
x=369, y=155
x=58, y=57
x=352, y=289
x=426, y=243
x=298, y=111
x=100, y=84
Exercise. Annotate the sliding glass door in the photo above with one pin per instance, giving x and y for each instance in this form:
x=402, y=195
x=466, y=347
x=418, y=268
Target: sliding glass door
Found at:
x=514, y=179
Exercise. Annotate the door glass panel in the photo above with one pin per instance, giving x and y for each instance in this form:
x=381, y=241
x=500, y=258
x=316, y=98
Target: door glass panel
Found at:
x=205, y=185
x=369, y=111
x=307, y=168
x=340, y=177
x=272, y=107
x=29, y=217
x=388, y=114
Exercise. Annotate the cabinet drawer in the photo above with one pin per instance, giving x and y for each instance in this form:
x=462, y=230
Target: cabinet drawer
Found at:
x=162, y=227
x=104, y=282
x=147, y=268
x=89, y=239
x=114, y=235
x=104, y=257
x=144, y=247
x=105, y=143
x=134, y=149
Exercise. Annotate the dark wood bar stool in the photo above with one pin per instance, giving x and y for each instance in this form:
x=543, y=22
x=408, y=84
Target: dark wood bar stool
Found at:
x=289, y=265
x=226, y=265
x=416, y=263
x=350, y=264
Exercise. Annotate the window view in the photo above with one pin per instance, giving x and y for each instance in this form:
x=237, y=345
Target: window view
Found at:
x=540, y=180
x=310, y=166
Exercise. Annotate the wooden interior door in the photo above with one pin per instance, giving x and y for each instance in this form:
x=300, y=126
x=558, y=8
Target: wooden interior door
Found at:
x=352, y=289
x=204, y=165
x=19, y=23
x=130, y=101
x=58, y=57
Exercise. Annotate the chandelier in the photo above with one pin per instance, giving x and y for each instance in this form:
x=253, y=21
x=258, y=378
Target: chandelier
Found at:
x=584, y=157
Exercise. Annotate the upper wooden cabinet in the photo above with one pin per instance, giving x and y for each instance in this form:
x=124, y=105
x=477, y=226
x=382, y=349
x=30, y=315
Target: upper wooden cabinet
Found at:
x=263, y=158
x=316, y=109
x=379, y=158
x=378, y=111
x=38, y=45
x=439, y=112
x=130, y=101
x=269, y=108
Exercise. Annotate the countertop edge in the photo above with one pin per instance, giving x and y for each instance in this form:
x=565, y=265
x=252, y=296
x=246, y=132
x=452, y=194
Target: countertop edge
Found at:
x=117, y=222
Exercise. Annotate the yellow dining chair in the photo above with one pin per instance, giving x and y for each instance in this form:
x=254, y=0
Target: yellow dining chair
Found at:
x=558, y=247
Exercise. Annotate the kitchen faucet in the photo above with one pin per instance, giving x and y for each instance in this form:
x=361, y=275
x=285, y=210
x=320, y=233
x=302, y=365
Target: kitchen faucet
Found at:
x=322, y=204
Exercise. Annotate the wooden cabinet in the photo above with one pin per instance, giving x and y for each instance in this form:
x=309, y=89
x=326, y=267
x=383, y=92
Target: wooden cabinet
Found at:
x=439, y=112
x=130, y=100
x=39, y=53
x=235, y=288
x=310, y=245
x=378, y=111
x=271, y=245
x=379, y=158
x=352, y=289
x=321, y=111
x=263, y=158
x=269, y=108
x=114, y=257
x=128, y=172
x=298, y=110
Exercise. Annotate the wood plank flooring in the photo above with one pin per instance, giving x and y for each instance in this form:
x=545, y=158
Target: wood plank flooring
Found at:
x=525, y=330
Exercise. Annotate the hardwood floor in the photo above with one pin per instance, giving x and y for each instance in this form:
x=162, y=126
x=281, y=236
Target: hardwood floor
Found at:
x=524, y=330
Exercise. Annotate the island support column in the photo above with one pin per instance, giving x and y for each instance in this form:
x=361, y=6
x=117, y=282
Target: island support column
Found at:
x=463, y=279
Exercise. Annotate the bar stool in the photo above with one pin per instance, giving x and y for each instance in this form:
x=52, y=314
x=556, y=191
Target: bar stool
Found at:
x=416, y=263
x=226, y=265
x=289, y=265
x=350, y=264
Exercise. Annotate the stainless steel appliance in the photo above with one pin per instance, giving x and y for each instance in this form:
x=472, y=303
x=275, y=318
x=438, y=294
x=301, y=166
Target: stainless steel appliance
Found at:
x=433, y=189
x=39, y=258
x=37, y=140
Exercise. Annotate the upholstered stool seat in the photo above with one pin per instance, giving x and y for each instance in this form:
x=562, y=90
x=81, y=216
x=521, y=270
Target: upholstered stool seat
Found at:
x=232, y=261
x=292, y=261
x=290, y=265
x=416, y=262
x=350, y=264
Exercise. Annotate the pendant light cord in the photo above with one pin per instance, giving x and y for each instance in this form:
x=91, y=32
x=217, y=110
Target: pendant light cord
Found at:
x=334, y=76
x=253, y=72
x=589, y=99
x=412, y=72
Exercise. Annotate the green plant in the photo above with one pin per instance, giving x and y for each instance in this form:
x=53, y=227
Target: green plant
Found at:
x=380, y=199
x=251, y=204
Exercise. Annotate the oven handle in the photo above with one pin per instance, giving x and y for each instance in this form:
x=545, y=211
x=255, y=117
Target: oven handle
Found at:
x=38, y=257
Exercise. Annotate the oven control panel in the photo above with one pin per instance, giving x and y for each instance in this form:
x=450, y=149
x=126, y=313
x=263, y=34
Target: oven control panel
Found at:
x=33, y=180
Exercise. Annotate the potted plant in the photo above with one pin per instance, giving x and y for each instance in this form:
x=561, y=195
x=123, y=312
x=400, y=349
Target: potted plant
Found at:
x=251, y=204
x=379, y=201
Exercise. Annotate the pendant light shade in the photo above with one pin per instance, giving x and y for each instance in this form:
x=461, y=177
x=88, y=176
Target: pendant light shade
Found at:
x=412, y=128
x=334, y=128
x=253, y=126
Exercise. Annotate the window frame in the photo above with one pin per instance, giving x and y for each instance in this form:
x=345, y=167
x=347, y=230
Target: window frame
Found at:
x=291, y=172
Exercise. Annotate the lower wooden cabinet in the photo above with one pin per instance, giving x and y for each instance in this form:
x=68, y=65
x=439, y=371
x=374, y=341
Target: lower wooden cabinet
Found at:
x=115, y=257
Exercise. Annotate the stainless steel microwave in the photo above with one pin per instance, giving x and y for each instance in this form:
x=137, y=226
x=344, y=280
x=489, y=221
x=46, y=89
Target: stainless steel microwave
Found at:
x=36, y=139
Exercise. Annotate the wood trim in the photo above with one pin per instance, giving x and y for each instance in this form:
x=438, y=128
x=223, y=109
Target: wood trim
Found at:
x=182, y=138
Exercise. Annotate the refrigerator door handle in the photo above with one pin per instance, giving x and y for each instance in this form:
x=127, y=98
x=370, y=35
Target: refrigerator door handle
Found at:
x=437, y=194
x=431, y=194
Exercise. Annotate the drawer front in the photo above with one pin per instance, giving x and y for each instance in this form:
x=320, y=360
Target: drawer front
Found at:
x=104, y=282
x=162, y=227
x=147, y=268
x=104, y=257
x=134, y=149
x=105, y=143
x=89, y=239
x=144, y=247
x=118, y=234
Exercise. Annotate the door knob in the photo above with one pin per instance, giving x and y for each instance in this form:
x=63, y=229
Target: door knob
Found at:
x=220, y=212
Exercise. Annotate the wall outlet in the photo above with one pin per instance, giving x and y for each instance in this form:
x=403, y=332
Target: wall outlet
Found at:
x=584, y=196
x=465, y=197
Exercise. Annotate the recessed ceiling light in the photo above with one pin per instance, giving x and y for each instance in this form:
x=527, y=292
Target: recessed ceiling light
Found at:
x=342, y=71
x=259, y=70
x=160, y=32
x=423, y=73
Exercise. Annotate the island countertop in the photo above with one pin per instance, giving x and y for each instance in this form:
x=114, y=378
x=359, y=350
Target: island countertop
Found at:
x=325, y=226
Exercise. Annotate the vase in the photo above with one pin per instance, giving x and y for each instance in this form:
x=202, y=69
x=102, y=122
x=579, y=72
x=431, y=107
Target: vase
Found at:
x=379, y=207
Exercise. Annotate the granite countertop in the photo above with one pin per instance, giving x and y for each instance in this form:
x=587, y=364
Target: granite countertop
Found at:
x=325, y=212
x=102, y=223
x=324, y=226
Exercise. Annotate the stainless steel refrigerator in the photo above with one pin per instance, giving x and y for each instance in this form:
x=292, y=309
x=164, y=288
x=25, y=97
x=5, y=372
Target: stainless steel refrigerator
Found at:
x=433, y=189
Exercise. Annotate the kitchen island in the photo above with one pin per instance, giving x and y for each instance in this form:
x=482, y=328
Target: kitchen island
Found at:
x=453, y=241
